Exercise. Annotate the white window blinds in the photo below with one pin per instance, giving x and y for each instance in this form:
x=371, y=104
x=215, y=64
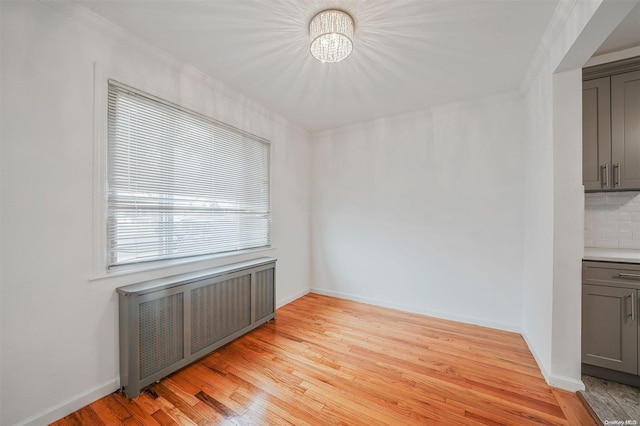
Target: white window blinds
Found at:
x=179, y=184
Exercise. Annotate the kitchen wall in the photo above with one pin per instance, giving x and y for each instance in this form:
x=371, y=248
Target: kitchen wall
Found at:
x=612, y=220
x=423, y=211
x=59, y=319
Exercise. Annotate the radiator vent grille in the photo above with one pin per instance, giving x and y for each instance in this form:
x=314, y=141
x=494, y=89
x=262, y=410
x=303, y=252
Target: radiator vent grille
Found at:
x=219, y=310
x=161, y=334
x=170, y=322
x=264, y=293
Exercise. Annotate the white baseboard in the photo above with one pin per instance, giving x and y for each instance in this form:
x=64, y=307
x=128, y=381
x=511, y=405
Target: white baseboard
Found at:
x=72, y=404
x=562, y=382
x=541, y=365
x=287, y=300
x=566, y=383
x=85, y=398
x=421, y=311
x=555, y=380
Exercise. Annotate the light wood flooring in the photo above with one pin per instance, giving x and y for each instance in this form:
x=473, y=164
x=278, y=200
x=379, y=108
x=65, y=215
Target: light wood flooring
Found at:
x=330, y=361
x=612, y=402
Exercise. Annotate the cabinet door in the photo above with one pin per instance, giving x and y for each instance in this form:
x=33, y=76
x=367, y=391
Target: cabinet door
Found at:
x=609, y=331
x=625, y=130
x=596, y=134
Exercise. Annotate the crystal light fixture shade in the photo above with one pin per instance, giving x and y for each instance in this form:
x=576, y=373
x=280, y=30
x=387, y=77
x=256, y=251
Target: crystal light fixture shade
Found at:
x=331, y=34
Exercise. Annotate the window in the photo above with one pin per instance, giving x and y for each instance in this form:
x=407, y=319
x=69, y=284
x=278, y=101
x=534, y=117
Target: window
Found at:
x=180, y=185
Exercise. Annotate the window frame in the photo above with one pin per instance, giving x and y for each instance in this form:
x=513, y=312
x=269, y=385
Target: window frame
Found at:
x=101, y=269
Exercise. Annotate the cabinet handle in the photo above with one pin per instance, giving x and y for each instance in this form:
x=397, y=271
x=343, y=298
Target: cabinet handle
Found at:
x=633, y=307
x=604, y=176
x=616, y=173
x=627, y=275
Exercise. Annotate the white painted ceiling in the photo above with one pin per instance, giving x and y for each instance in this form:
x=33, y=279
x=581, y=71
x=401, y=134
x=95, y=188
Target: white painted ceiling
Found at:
x=408, y=54
x=626, y=34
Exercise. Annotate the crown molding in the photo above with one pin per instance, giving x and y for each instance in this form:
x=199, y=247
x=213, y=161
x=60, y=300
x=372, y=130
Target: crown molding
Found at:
x=115, y=32
x=421, y=114
x=553, y=30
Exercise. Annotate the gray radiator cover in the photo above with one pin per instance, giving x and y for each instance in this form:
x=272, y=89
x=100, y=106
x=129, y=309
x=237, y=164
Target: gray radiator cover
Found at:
x=168, y=323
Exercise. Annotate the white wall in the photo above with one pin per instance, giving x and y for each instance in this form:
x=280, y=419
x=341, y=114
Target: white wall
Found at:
x=553, y=229
x=423, y=211
x=568, y=228
x=538, y=220
x=422, y=170
x=541, y=231
x=553, y=193
x=59, y=328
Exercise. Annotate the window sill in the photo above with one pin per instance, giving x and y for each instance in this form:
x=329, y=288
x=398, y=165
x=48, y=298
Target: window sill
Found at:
x=130, y=274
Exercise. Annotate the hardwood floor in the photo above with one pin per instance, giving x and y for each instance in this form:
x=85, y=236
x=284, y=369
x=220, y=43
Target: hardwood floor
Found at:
x=332, y=361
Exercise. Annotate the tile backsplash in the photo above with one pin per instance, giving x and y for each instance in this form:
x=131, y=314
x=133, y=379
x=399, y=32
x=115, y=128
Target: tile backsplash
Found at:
x=612, y=220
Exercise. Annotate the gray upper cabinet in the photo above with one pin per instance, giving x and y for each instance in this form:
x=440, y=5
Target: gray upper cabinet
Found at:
x=625, y=130
x=611, y=126
x=596, y=134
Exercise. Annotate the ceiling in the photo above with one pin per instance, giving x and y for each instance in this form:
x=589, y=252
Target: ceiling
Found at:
x=408, y=54
x=626, y=35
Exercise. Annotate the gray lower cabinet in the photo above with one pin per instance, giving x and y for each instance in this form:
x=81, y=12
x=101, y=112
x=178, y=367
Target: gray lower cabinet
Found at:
x=611, y=126
x=610, y=324
x=610, y=336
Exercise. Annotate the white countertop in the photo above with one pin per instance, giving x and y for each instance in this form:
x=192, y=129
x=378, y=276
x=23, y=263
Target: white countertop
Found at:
x=612, y=254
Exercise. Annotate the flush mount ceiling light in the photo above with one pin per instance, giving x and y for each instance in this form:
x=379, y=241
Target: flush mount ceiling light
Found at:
x=331, y=33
